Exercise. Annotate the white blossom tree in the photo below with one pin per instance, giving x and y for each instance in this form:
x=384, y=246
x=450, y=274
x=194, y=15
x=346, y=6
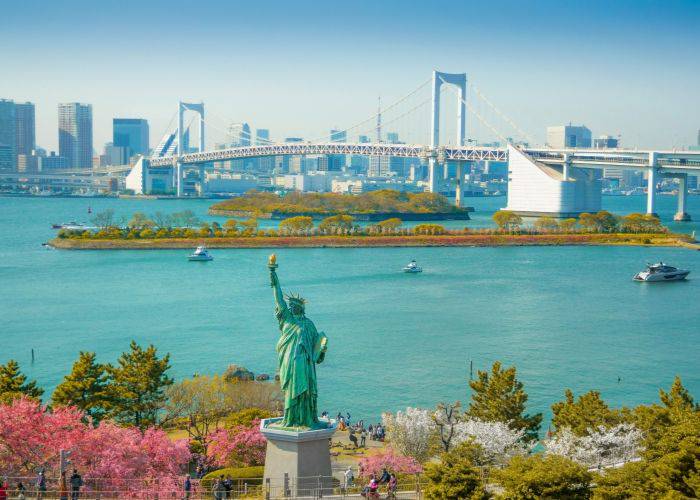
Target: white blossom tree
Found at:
x=498, y=441
x=601, y=447
x=411, y=433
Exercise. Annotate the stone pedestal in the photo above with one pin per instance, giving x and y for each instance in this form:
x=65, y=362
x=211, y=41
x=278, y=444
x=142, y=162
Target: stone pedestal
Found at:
x=297, y=463
x=681, y=217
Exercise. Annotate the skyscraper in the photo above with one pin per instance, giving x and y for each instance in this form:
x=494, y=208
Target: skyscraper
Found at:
x=26, y=128
x=75, y=134
x=337, y=162
x=569, y=136
x=262, y=136
x=8, y=136
x=131, y=134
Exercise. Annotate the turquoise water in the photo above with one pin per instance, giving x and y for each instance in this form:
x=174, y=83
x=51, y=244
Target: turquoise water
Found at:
x=565, y=316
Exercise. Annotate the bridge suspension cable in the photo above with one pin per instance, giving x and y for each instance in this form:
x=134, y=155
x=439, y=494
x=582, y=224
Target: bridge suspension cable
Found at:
x=505, y=117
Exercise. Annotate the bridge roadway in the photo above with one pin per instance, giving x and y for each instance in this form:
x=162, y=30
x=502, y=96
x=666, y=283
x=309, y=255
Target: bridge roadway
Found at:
x=670, y=161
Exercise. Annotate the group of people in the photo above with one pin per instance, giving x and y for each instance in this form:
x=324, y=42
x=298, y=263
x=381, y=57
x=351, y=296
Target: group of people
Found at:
x=67, y=489
x=222, y=488
x=371, y=490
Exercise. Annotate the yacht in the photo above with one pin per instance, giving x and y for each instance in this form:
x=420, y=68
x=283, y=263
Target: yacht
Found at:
x=412, y=267
x=200, y=254
x=661, y=272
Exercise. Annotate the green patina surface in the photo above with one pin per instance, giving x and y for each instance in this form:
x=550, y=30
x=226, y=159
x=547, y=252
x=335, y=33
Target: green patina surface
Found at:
x=299, y=348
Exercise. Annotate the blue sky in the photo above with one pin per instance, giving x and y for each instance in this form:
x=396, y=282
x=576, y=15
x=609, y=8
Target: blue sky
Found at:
x=300, y=68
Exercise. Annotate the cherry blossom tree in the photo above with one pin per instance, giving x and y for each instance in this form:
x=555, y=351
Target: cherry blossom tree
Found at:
x=498, y=441
x=412, y=432
x=241, y=445
x=600, y=447
x=392, y=461
x=109, y=457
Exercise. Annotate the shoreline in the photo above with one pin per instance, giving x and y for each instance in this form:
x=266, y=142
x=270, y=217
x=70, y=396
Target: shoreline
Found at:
x=358, y=216
x=461, y=240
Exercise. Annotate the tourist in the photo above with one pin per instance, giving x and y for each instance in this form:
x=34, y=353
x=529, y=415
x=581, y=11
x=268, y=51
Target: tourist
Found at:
x=384, y=479
x=370, y=429
x=218, y=489
x=76, y=481
x=63, y=487
x=372, y=489
x=20, y=491
x=349, y=478
x=347, y=419
x=40, y=484
x=228, y=487
x=353, y=437
x=392, y=487
x=188, y=487
x=363, y=439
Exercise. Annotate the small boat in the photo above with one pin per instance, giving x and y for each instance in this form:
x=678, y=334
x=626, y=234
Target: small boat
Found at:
x=74, y=226
x=412, y=267
x=200, y=254
x=661, y=272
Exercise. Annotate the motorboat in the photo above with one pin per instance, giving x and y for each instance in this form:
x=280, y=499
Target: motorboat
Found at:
x=200, y=254
x=71, y=226
x=412, y=267
x=661, y=272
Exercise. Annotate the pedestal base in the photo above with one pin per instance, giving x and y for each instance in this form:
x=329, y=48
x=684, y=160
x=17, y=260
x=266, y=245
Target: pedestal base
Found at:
x=297, y=463
x=682, y=217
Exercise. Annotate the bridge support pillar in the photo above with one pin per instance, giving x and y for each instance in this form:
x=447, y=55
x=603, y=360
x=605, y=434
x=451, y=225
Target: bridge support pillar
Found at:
x=651, y=184
x=681, y=214
x=178, y=179
x=459, y=176
x=202, y=179
x=432, y=178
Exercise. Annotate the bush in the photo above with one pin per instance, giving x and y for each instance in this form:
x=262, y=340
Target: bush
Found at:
x=147, y=233
x=251, y=475
x=247, y=416
x=552, y=476
x=429, y=229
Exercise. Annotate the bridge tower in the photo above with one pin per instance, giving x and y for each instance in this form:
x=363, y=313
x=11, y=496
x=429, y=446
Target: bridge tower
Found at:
x=199, y=109
x=459, y=80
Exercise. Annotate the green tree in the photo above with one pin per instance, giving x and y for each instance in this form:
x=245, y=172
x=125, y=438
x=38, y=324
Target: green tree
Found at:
x=507, y=220
x=138, y=384
x=250, y=226
x=140, y=221
x=390, y=225
x=296, y=225
x=14, y=384
x=455, y=476
x=536, y=476
x=433, y=229
x=85, y=387
x=546, y=224
x=607, y=222
x=589, y=222
x=104, y=219
x=499, y=396
x=568, y=225
x=588, y=412
x=337, y=223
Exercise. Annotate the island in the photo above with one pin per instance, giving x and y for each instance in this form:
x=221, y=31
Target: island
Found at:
x=370, y=206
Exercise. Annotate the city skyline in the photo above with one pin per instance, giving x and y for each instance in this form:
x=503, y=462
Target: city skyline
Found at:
x=626, y=73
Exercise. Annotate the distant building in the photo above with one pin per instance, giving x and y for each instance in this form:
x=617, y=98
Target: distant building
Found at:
x=606, y=142
x=392, y=137
x=362, y=139
x=262, y=136
x=569, y=136
x=115, y=155
x=75, y=134
x=8, y=136
x=379, y=166
x=337, y=162
x=52, y=162
x=26, y=128
x=132, y=135
x=244, y=135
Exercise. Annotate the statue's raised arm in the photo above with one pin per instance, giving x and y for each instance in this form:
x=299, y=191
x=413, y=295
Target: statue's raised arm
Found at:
x=280, y=303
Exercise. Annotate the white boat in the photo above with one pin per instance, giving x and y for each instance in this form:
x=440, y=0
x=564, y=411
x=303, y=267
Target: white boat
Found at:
x=412, y=267
x=661, y=272
x=200, y=254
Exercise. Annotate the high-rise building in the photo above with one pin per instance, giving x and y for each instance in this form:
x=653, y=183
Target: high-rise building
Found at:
x=392, y=137
x=75, y=134
x=8, y=136
x=262, y=136
x=337, y=162
x=606, y=142
x=26, y=128
x=569, y=136
x=244, y=135
x=132, y=135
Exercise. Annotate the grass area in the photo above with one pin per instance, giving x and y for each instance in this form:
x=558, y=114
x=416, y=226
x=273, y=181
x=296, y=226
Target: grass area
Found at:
x=416, y=240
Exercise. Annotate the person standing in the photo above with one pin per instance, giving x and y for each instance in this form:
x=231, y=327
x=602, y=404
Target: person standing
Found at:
x=363, y=438
x=228, y=487
x=20, y=491
x=76, y=481
x=188, y=487
x=349, y=478
x=40, y=484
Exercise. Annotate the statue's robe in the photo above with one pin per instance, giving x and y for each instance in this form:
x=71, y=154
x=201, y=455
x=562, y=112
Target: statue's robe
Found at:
x=298, y=350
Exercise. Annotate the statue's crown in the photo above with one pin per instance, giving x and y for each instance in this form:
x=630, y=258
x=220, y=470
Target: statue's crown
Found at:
x=295, y=298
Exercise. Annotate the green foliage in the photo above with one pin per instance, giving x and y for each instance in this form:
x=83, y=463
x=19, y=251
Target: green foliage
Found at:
x=588, y=412
x=252, y=475
x=336, y=223
x=546, y=224
x=246, y=416
x=250, y=226
x=607, y=222
x=641, y=223
x=381, y=201
x=589, y=222
x=147, y=233
x=137, y=388
x=432, y=229
x=140, y=221
x=536, y=476
x=14, y=384
x=499, y=396
x=455, y=476
x=85, y=387
x=296, y=225
x=507, y=220
x=568, y=225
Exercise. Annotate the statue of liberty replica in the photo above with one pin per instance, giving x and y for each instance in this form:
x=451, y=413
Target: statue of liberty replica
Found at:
x=299, y=348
